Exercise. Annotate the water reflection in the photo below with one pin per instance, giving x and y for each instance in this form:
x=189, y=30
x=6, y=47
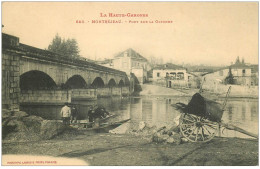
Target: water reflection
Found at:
x=242, y=113
x=157, y=111
x=229, y=107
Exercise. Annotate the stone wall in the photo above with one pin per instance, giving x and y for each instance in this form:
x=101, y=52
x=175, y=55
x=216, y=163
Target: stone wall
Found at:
x=236, y=90
x=61, y=96
x=45, y=96
x=83, y=93
x=125, y=91
x=10, y=81
x=115, y=91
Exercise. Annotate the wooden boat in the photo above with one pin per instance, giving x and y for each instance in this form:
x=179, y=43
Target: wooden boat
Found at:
x=105, y=127
x=90, y=123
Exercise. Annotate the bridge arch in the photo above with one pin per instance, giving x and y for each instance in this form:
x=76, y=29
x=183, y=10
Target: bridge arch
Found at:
x=76, y=82
x=121, y=83
x=98, y=83
x=36, y=80
x=111, y=83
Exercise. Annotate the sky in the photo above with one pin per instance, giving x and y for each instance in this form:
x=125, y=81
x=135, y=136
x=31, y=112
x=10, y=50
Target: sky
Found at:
x=210, y=33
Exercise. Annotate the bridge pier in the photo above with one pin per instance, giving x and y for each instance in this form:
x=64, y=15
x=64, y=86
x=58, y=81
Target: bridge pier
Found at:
x=112, y=91
x=58, y=96
x=81, y=94
x=45, y=96
x=10, y=81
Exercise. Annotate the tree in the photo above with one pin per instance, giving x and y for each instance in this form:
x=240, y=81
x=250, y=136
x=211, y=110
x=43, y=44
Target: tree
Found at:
x=72, y=48
x=68, y=48
x=230, y=78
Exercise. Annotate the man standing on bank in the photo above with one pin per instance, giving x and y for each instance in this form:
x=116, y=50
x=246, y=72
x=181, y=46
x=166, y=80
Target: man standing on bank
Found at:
x=65, y=114
x=74, y=114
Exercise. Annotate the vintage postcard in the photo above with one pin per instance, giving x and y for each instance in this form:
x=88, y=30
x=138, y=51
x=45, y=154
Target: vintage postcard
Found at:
x=130, y=83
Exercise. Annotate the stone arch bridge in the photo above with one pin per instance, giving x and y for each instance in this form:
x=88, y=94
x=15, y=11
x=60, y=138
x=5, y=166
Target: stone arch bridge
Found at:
x=30, y=74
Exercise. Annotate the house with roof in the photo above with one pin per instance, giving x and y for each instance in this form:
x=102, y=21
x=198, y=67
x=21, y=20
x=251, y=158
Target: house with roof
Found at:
x=130, y=61
x=243, y=74
x=171, y=75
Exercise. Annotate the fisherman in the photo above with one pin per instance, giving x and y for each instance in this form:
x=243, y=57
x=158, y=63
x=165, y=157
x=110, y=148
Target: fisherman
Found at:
x=104, y=113
x=95, y=114
x=91, y=114
x=66, y=113
x=74, y=114
x=101, y=113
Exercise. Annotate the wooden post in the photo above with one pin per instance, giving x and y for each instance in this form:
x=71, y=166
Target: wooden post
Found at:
x=219, y=130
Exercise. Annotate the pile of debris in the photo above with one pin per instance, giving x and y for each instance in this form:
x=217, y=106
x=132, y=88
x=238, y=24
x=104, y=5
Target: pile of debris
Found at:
x=170, y=135
x=164, y=135
x=19, y=126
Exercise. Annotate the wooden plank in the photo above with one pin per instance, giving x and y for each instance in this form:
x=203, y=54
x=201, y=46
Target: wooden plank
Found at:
x=233, y=127
x=108, y=126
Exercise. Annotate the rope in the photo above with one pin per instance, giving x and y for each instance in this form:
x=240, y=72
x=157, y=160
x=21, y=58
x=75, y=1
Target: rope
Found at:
x=226, y=98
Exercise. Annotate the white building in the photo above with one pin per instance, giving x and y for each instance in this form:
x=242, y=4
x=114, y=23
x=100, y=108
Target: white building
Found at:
x=243, y=75
x=130, y=61
x=171, y=75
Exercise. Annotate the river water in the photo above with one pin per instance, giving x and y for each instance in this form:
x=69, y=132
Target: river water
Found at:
x=157, y=111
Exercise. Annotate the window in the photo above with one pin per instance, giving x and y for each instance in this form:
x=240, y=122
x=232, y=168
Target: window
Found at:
x=173, y=75
x=180, y=76
x=158, y=74
x=189, y=78
x=243, y=71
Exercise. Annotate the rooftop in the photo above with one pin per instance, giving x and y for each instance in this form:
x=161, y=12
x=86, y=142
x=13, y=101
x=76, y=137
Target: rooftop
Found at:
x=133, y=54
x=239, y=66
x=105, y=61
x=254, y=67
x=169, y=66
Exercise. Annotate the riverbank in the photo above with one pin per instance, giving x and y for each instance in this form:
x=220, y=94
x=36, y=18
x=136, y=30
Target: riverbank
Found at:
x=106, y=149
x=155, y=90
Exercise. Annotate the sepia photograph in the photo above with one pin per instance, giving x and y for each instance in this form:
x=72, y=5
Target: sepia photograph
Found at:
x=130, y=83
